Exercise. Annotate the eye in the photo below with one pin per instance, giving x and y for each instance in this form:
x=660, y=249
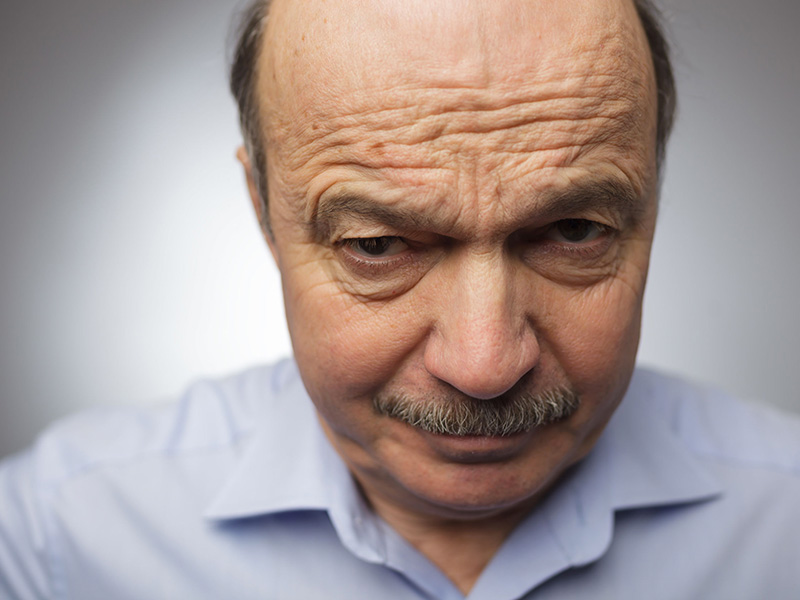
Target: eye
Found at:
x=576, y=231
x=377, y=247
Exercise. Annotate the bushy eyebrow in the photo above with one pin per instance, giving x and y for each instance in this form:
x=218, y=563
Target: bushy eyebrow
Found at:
x=594, y=195
x=354, y=207
x=608, y=194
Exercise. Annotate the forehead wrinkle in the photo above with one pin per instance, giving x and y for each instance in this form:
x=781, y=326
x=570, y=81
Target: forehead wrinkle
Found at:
x=413, y=116
x=438, y=141
x=559, y=100
x=576, y=53
x=554, y=104
x=578, y=57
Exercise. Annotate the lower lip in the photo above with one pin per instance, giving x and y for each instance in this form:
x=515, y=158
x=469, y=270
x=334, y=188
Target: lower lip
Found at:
x=476, y=448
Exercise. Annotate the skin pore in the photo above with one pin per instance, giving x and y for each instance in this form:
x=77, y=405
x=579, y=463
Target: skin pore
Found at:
x=462, y=201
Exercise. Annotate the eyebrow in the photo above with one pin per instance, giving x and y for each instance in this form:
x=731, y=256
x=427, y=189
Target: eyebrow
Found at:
x=596, y=194
x=608, y=194
x=331, y=211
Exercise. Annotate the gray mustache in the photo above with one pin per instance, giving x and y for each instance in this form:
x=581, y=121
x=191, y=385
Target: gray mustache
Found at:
x=497, y=417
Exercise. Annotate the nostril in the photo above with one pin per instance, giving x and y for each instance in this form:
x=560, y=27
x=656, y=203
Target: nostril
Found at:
x=481, y=366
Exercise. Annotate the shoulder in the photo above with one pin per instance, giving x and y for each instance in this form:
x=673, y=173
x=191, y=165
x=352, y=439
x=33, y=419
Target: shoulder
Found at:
x=147, y=470
x=711, y=487
x=210, y=415
x=717, y=426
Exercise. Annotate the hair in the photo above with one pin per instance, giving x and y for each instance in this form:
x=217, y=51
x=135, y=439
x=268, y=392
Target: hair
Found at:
x=243, y=78
x=511, y=413
x=244, y=69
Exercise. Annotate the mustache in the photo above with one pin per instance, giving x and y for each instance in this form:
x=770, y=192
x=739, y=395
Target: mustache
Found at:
x=498, y=417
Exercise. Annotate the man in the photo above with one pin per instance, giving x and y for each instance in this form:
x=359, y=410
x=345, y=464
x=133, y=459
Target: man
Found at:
x=461, y=199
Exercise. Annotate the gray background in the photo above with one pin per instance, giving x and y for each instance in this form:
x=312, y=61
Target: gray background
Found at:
x=130, y=262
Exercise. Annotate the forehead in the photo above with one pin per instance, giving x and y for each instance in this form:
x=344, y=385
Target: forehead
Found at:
x=329, y=50
x=401, y=82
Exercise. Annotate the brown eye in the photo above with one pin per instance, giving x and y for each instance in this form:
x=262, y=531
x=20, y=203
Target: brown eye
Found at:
x=576, y=231
x=377, y=247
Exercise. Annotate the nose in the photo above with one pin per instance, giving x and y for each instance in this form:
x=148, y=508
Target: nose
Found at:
x=483, y=341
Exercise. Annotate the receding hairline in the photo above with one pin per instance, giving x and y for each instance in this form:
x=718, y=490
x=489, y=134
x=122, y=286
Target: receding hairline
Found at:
x=247, y=69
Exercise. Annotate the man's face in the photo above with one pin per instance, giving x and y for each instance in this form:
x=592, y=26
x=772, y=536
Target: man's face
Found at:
x=462, y=196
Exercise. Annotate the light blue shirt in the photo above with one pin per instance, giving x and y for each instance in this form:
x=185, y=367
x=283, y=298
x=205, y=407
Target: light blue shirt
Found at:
x=235, y=494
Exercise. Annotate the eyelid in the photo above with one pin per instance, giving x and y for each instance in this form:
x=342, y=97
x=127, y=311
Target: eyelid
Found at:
x=352, y=243
x=600, y=231
x=535, y=244
x=357, y=261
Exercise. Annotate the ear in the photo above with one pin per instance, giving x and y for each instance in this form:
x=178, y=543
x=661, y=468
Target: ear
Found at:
x=255, y=198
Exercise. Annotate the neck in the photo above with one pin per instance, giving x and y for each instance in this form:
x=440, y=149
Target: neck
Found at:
x=460, y=548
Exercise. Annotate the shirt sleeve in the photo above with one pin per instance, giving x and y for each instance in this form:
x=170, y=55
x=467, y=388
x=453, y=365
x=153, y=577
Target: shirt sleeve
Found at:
x=24, y=573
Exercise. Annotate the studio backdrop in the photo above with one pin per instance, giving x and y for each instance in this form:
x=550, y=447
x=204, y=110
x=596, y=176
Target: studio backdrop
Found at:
x=131, y=262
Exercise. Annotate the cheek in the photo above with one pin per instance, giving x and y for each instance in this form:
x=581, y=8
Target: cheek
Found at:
x=596, y=337
x=346, y=349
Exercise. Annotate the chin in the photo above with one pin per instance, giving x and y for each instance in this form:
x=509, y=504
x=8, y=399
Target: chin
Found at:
x=473, y=477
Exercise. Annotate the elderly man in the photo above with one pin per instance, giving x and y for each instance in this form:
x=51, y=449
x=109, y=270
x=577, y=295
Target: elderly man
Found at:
x=461, y=198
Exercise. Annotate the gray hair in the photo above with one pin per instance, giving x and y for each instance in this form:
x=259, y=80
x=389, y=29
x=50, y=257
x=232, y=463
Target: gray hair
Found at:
x=244, y=63
x=498, y=417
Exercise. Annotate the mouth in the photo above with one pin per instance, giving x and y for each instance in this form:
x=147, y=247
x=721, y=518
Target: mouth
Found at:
x=474, y=449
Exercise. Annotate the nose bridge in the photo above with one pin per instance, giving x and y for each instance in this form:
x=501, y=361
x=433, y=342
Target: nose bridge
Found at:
x=483, y=342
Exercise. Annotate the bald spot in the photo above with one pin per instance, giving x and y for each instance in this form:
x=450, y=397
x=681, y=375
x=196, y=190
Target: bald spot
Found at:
x=412, y=71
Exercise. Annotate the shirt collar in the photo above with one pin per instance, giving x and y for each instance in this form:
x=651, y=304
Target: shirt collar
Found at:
x=639, y=461
x=284, y=464
x=650, y=462
x=288, y=464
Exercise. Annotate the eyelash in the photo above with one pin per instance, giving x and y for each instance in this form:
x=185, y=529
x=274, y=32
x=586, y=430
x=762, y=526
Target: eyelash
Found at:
x=591, y=249
x=379, y=266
